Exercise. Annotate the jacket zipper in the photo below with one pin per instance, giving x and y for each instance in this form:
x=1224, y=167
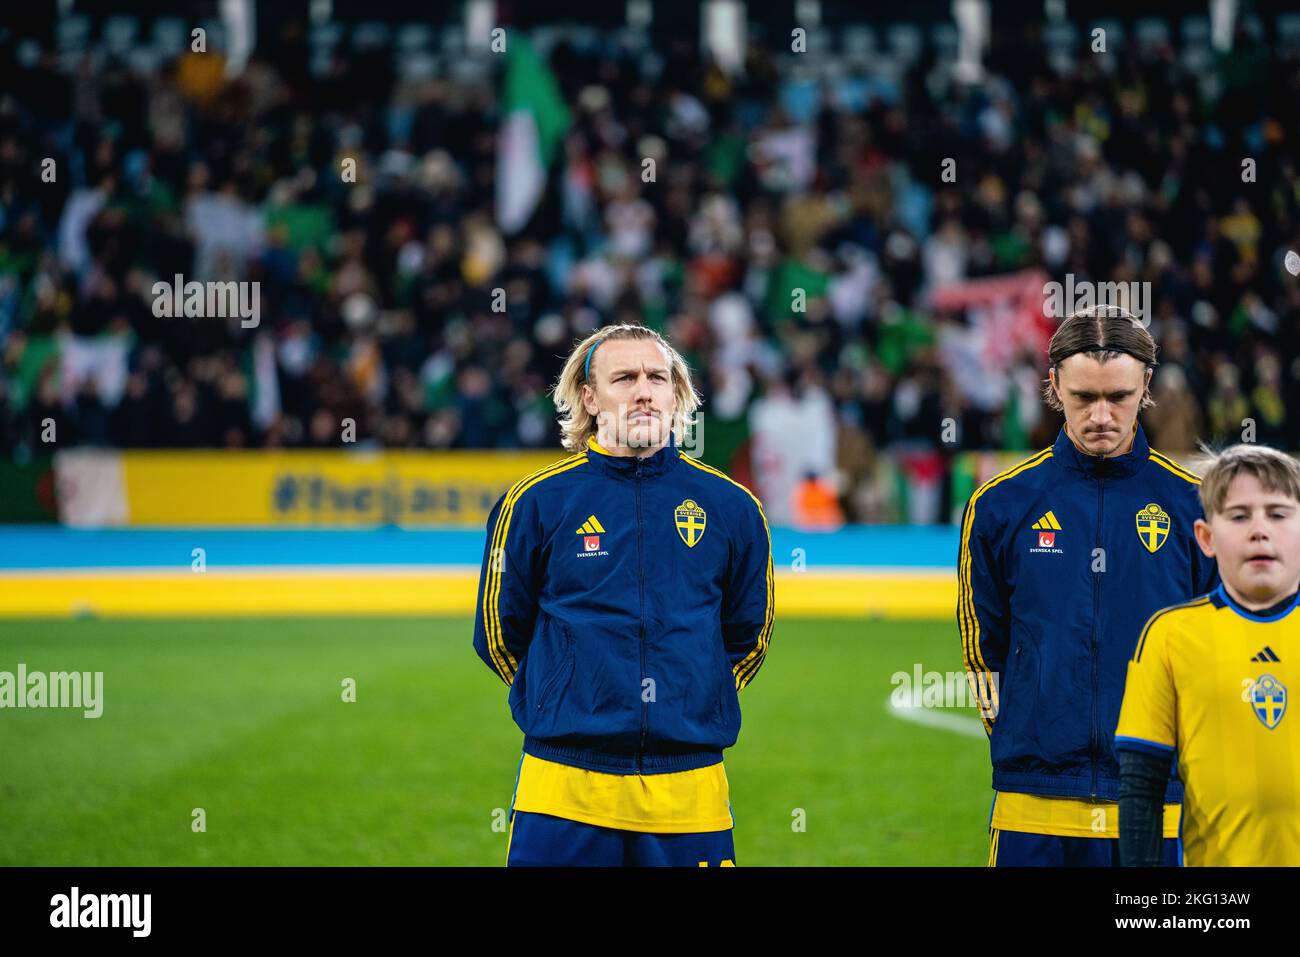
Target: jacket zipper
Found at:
x=1096, y=596
x=645, y=710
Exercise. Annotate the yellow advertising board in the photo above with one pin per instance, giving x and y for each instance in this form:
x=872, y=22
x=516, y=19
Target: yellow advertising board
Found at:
x=420, y=590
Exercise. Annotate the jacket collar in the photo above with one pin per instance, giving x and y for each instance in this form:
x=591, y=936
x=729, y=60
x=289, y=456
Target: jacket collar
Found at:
x=1067, y=454
x=625, y=466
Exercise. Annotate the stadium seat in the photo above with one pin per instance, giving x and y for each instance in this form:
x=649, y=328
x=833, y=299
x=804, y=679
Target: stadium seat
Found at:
x=416, y=65
x=1151, y=33
x=1061, y=35
x=801, y=92
x=829, y=69
x=651, y=64
x=1060, y=61
x=1195, y=31
x=905, y=42
x=1115, y=34
x=72, y=34
x=632, y=40
x=888, y=69
x=859, y=41
x=170, y=36
x=216, y=33
x=119, y=34
x=471, y=69
x=28, y=53
x=320, y=62
x=414, y=37
x=944, y=40
x=325, y=35
x=586, y=39
x=1288, y=33
x=819, y=40
x=851, y=89
x=1196, y=59
x=452, y=43
x=370, y=35
x=143, y=59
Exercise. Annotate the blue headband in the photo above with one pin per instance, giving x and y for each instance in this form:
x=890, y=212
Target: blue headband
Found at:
x=586, y=368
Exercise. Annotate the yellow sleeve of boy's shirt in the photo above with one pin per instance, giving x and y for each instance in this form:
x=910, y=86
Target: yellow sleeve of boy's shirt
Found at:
x=1147, y=718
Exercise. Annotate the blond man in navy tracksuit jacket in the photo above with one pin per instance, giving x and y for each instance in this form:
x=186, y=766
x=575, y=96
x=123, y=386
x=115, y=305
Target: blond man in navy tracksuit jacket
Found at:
x=626, y=598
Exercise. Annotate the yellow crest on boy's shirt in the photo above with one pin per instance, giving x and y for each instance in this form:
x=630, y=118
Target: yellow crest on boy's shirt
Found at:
x=689, y=519
x=1268, y=700
x=1152, y=527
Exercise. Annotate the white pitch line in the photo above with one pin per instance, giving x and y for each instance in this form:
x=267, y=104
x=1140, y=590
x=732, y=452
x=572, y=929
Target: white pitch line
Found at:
x=956, y=723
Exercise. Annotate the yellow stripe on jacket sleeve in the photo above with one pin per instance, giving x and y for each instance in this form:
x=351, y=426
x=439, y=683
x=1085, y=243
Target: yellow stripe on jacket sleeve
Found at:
x=968, y=620
x=503, y=660
x=963, y=619
x=744, y=674
x=1166, y=462
x=748, y=666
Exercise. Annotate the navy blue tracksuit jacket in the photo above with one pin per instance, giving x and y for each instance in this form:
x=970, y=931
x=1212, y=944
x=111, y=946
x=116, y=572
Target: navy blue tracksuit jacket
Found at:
x=626, y=601
x=1062, y=561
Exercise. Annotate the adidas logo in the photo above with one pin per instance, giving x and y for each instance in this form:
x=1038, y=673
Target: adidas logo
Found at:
x=1268, y=654
x=591, y=526
x=1048, y=521
x=591, y=530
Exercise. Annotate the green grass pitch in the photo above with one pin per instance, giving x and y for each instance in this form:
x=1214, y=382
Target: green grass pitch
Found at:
x=245, y=719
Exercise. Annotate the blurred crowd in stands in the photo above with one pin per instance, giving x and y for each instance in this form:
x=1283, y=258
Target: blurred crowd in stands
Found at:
x=788, y=175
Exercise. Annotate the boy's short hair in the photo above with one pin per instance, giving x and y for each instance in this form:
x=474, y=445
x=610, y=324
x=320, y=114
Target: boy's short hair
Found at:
x=1276, y=471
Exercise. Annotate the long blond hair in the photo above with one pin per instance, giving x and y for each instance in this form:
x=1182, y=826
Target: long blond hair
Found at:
x=577, y=424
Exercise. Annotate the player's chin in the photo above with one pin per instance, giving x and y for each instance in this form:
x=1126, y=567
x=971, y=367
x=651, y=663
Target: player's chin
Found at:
x=643, y=432
x=1263, y=574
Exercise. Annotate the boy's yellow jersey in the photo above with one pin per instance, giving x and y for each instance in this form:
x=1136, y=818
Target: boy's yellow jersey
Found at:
x=1210, y=682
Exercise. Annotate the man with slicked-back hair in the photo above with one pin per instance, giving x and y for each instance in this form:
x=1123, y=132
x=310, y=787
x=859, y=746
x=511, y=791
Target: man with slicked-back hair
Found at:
x=1062, y=560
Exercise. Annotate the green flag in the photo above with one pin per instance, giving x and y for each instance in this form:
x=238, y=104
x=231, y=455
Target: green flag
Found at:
x=534, y=120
